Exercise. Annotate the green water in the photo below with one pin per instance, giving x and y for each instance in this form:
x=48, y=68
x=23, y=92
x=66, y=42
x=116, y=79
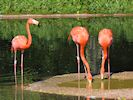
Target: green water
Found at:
x=9, y=92
x=98, y=84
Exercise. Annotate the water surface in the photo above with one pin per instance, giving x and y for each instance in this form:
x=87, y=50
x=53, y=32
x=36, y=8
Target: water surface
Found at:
x=101, y=84
x=9, y=92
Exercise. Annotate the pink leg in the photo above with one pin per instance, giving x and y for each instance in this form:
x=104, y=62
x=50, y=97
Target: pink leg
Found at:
x=15, y=63
x=108, y=64
x=104, y=57
x=22, y=69
x=102, y=66
x=78, y=61
x=86, y=74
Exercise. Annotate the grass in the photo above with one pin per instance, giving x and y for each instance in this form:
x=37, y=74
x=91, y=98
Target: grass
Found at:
x=65, y=6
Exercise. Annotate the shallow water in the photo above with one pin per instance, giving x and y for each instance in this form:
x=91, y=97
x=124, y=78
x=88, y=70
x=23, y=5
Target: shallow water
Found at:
x=101, y=84
x=9, y=92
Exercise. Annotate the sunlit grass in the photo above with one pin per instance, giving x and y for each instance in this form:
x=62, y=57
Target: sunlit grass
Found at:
x=65, y=6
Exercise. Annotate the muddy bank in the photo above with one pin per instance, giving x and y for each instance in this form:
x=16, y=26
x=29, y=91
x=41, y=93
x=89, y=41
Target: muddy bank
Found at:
x=51, y=86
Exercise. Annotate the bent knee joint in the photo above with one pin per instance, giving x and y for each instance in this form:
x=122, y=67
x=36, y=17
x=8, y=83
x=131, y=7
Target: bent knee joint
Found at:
x=78, y=58
x=15, y=62
x=104, y=57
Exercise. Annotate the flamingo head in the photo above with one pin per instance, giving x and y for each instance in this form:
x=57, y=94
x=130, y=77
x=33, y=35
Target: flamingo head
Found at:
x=33, y=21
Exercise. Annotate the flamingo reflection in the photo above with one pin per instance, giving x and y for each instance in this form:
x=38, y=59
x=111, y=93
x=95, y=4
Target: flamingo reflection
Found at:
x=16, y=93
x=102, y=88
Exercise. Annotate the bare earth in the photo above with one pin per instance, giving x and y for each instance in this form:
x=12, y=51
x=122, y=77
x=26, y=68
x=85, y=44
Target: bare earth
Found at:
x=50, y=86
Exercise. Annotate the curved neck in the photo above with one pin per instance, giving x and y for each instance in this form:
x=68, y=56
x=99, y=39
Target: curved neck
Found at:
x=83, y=57
x=29, y=40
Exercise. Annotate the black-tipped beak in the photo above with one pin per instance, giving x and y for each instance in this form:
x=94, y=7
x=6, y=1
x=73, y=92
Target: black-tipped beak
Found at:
x=39, y=24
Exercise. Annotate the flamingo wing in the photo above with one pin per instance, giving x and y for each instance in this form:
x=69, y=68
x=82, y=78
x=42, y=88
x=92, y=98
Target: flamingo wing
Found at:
x=19, y=42
x=105, y=37
x=79, y=35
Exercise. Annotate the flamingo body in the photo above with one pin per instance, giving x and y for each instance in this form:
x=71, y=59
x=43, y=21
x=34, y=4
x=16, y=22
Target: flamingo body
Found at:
x=80, y=36
x=20, y=42
x=105, y=38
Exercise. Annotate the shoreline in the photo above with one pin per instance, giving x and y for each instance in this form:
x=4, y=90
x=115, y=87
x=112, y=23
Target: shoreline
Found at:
x=51, y=86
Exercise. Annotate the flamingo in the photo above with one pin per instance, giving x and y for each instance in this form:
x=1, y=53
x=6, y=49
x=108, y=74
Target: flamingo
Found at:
x=105, y=40
x=80, y=36
x=20, y=42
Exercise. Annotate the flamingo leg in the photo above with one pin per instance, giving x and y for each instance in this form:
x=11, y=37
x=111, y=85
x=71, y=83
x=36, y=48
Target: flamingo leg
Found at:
x=104, y=57
x=102, y=66
x=78, y=61
x=108, y=64
x=22, y=52
x=15, y=63
x=85, y=71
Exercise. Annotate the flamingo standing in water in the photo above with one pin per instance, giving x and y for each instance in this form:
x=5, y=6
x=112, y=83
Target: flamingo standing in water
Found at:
x=105, y=40
x=20, y=42
x=80, y=36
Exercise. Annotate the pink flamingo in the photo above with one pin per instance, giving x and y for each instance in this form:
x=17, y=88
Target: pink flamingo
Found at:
x=80, y=36
x=20, y=42
x=105, y=40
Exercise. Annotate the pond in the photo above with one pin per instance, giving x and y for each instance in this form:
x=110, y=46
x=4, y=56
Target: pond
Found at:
x=9, y=92
x=98, y=84
x=50, y=54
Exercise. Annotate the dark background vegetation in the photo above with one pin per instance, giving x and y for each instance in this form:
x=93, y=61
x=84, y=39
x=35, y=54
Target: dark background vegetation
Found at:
x=50, y=53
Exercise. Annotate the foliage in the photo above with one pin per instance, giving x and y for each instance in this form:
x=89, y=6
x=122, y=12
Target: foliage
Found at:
x=65, y=6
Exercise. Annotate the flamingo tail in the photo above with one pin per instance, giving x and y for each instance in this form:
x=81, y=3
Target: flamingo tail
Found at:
x=12, y=49
x=69, y=37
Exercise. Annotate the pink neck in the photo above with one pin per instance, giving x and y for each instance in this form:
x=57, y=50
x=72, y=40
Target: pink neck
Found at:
x=85, y=61
x=29, y=35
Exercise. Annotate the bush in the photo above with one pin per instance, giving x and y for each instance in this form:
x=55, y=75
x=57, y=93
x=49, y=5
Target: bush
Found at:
x=65, y=6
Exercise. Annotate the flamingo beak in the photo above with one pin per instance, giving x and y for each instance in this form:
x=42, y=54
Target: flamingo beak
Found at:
x=35, y=22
